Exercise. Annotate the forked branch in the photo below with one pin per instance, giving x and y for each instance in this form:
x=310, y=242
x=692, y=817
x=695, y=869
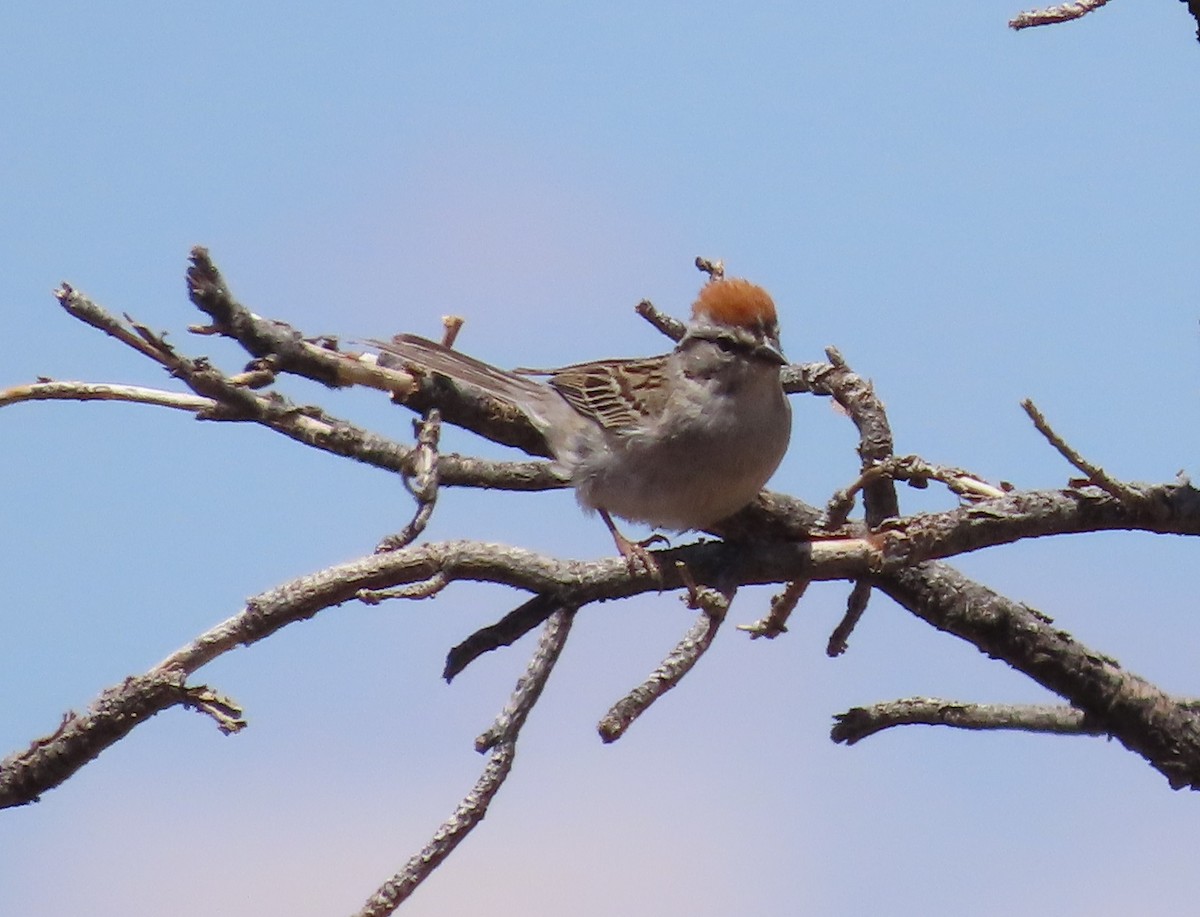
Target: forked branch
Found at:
x=777, y=540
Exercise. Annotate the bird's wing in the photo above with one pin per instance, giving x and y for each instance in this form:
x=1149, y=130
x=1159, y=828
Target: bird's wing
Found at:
x=621, y=395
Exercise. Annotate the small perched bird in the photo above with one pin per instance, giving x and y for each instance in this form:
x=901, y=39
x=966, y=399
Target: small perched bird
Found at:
x=678, y=441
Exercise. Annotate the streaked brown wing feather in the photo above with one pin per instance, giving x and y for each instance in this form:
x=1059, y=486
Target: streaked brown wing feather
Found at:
x=620, y=394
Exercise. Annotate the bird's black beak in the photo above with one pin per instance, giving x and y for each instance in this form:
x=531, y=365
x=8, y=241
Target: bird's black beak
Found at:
x=769, y=353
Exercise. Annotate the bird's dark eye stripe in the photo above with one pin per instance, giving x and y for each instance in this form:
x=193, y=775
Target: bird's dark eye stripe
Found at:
x=729, y=343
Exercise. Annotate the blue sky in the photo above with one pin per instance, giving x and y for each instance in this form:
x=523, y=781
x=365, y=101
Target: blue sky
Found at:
x=972, y=216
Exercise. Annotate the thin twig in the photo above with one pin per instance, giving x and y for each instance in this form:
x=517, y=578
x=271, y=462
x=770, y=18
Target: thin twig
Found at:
x=79, y=738
x=103, y=391
x=79, y=306
x=774, y=622
x=917, y=473
x=1094, y=473
x=451, y=326
x=677, y=663
x=226, y=712
x=714, y=269
x=1064, y=12
x=421, y=481
x=259, y=374
x=856, y=604
x=671, y=327
x=713, y=604
x=859, y=723
x=505, y=632
x=422, y=590
x=857, y=397
x=529, y=686
x=668, y=325
x=500, y=741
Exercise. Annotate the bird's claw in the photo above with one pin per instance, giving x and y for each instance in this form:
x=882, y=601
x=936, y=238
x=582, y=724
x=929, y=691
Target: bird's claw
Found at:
x=637, y=556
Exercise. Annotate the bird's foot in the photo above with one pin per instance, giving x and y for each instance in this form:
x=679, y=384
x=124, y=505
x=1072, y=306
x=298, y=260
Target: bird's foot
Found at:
x=637, y=556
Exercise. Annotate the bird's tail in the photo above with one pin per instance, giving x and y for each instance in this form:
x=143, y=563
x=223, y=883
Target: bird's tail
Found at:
x=409, y=351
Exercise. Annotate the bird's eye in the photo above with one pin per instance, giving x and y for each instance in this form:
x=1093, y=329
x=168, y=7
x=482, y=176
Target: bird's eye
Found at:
x=729, y=345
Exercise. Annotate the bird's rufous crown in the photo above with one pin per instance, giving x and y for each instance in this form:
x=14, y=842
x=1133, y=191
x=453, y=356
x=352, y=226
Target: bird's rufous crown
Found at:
x=735, y=302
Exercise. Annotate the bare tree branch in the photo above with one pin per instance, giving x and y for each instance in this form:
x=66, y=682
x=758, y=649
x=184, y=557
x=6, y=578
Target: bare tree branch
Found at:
x=461, y=406
x=774, y=622
x=224, y=710
x=916, y=472
x=1064, y=12
x=1162, y=508
x=224, y=399
x=712, y=604
x=79, y=738
x=778, y=539
x=425, y=589
x=422, y=482
x=97, y=391
x=856, y=604
x=857, y=398
x=1094, y=473
x=1142, y=717
x=714, y=269
x=500, y=741
x=25, y=775
x=858, y=723
x=1169, y=508
x=668, y=325
x=505, y=632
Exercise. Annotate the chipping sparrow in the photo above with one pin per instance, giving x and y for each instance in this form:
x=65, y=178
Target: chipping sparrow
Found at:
x=678, y=441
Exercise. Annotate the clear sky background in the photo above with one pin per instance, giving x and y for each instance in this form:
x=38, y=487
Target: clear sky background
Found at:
x=972, y=216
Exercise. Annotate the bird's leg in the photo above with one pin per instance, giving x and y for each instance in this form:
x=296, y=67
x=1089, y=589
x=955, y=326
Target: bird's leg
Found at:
x=634, y=552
